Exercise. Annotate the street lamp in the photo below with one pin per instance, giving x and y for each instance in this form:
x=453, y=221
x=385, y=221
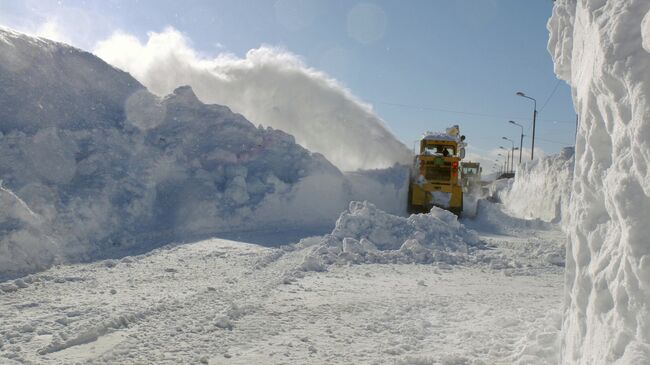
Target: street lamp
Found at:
x=521, y=141
x=519, y=93
x=512, y=162
x=503, y=165
x=507, y=157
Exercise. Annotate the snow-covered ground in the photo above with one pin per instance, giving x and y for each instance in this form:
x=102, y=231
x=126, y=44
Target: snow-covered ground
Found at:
x=226, y=302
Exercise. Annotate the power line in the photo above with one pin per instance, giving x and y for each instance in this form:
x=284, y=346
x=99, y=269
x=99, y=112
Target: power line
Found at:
x=422, y=107
x=555, y=142
x=550, y=96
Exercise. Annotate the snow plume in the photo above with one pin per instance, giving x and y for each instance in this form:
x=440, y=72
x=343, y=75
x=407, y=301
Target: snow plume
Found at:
x=269, y=86
x=601, y=49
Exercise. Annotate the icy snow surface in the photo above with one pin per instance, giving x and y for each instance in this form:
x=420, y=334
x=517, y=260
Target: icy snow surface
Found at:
x=601, y=49
x=104, y=168
x=225, y=302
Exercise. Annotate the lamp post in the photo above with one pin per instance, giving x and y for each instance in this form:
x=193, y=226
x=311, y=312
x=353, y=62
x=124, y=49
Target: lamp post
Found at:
x=521, y=141
x=503, y=164
x=512, y=162
x=519, y=93
x=498, y=164
x=507, y=158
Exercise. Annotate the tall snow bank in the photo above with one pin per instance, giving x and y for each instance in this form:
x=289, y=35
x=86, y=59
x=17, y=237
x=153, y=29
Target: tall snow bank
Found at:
x=270, y=86
x=601, y=49
x=91, y=158
x=365, y=234
x=541, y=188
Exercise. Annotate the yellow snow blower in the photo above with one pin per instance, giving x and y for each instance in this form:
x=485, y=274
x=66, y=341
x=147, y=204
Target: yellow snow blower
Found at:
x=435, y=173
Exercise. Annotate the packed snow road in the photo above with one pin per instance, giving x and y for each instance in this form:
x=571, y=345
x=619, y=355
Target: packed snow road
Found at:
x=226, y=302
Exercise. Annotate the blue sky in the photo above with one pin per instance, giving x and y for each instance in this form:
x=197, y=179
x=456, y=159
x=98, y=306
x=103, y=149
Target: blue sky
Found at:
x=421, y=64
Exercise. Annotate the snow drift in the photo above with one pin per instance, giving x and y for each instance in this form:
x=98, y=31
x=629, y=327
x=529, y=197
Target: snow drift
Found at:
x=270, y=86
x=365, y=234
x=94, y=164
x=601, y=49
x=541, y=188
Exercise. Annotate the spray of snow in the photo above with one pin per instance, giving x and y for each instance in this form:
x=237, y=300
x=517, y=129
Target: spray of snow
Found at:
x=24, y=245
x=270, y=86
x=601, y=49
x=51, y=29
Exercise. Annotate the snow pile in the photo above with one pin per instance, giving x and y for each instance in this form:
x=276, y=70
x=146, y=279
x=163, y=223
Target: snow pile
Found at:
x=601, y=49
x=541, y=188
x=365, y=234
x=270, y=86
x=108, y=167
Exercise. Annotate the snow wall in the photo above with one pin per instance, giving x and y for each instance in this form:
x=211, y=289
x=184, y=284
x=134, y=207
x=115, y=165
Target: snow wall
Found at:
x=93, y=165
x=541, y=188
x=602, y=50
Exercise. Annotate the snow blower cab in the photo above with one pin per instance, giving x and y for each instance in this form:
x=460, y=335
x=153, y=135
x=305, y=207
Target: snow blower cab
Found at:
x=435, y=177
x=470, y=176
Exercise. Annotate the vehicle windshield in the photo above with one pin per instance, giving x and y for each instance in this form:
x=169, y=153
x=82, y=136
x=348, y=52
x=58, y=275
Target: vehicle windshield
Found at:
x=440, y=150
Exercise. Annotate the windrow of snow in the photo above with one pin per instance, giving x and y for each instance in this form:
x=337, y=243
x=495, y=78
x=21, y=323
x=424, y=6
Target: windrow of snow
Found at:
x=95, y=165
x=600, y=48
x=541, y=188
x=365, y=234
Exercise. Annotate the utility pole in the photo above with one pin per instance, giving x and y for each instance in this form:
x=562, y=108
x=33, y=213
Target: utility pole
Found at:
x=521, y=140
x=507, y=162
x=512, y=149
x=519, y=93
